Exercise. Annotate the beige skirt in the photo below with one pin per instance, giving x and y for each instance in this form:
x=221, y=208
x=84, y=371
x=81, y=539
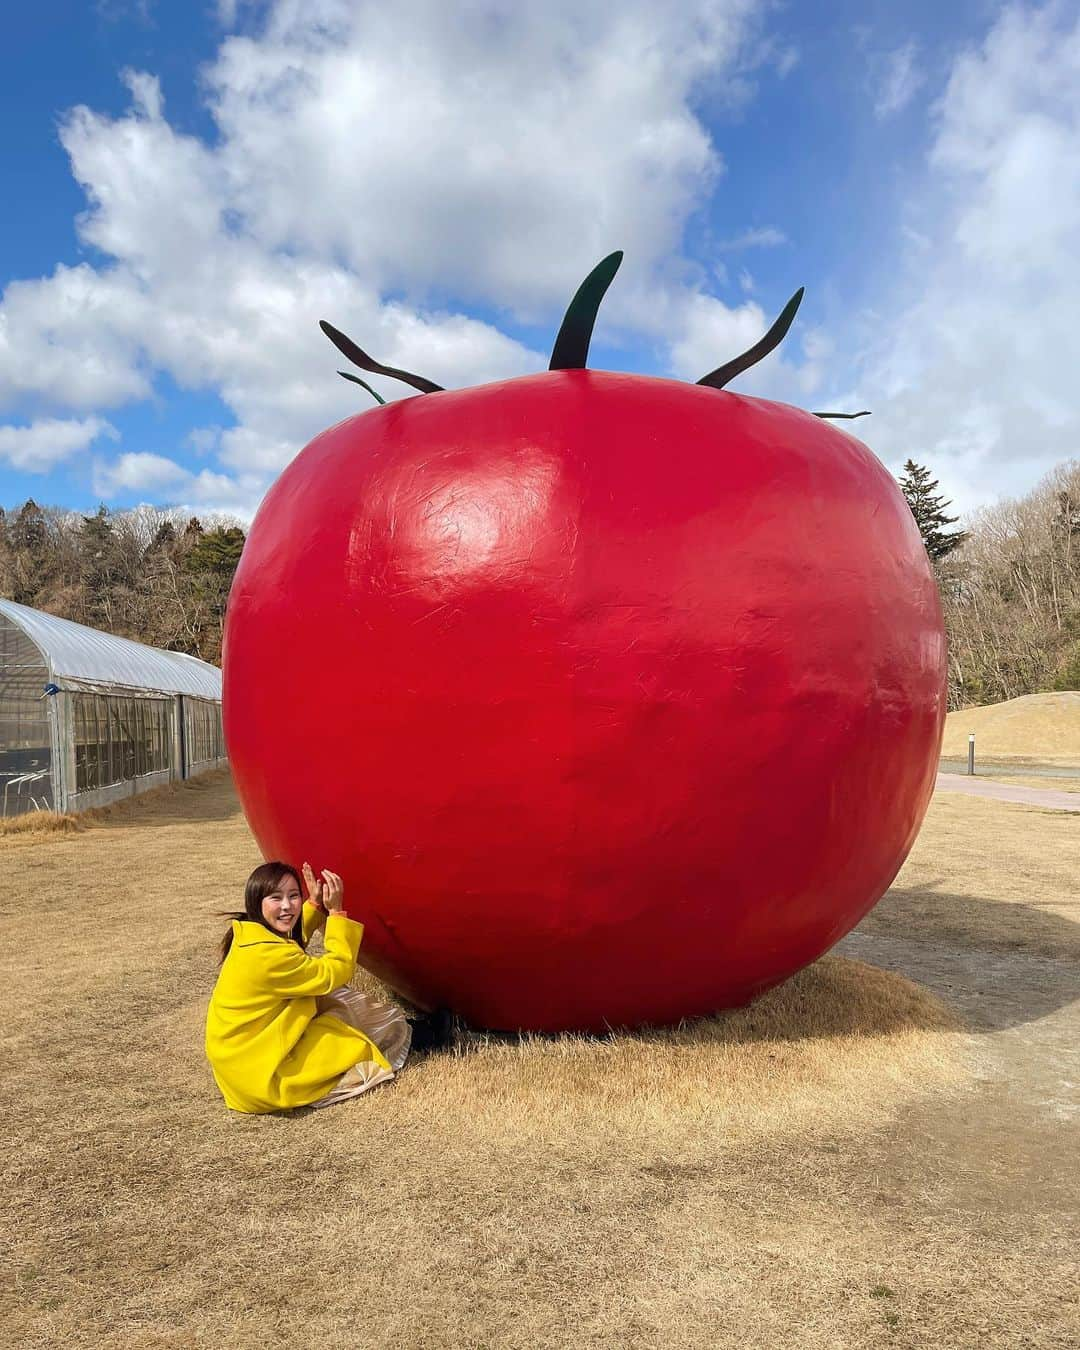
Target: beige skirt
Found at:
x=382, y=1023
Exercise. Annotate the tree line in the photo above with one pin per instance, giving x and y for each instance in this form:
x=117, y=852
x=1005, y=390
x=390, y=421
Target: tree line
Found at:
x=1010, y=586
x=1009, y=579
x=156, y=576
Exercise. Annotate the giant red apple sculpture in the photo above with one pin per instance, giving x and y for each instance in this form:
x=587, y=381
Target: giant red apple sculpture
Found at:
x=614, y=699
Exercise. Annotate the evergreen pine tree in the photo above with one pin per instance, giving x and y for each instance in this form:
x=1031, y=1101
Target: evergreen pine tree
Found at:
x=208, y=565
x=7, y=563
x=98, y=567
x=216, y=550
x=28, y=542
x=29, y=530
x=929, y=509
x=164, y=537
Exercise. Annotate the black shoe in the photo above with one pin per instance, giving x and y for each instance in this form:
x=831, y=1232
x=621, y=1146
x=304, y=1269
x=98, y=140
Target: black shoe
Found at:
x=432, y=1031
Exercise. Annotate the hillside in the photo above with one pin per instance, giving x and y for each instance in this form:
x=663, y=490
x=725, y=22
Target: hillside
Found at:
x=1042, y=727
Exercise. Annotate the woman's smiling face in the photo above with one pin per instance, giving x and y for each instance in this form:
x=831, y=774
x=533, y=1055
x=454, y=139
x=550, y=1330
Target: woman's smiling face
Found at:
x=281, y=908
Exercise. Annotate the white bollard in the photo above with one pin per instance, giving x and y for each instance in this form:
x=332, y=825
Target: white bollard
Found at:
x=971, y=754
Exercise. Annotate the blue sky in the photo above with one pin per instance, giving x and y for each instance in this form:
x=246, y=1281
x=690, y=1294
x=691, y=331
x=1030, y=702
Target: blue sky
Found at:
x=190, y=187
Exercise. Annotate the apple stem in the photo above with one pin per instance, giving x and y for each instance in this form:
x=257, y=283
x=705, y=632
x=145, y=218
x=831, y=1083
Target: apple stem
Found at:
x=355, y=379
x=776, y=334
x=360, y=358
x=571, y=350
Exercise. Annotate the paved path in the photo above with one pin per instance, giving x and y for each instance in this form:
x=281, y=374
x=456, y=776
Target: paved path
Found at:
x=1007, y=792
x=987, y=768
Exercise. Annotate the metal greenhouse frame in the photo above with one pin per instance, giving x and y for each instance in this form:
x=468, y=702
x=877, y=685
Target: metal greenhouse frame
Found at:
x=87, y=718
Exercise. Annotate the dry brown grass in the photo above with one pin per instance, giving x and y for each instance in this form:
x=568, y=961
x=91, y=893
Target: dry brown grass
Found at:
x=50, y=823
x=802, y=1055
x=989, y=875
x=1047, y=782
x=1041, y=728
x=41, y=823
x=744, y=1181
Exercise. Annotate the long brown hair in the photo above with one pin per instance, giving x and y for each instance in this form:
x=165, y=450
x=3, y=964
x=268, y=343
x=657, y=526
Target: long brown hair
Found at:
x=263, y=882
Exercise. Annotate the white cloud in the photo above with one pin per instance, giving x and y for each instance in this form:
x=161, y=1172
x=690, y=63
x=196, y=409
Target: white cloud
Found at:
x=72, y=341
x=355, y=162
x=767, y=236
x=899, y=77
x=206, y=492
x=213, y=308
x=571, y=134
x=40, y=446
x=114, y=11
x=787, y=58
x=145, y=92
x=203, y=440
x=715, y=334
x=970, y=364
x=217, y=494
x=388, y=168
x=137, y=472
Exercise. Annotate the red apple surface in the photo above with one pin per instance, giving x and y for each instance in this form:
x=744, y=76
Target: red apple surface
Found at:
x=614, y=699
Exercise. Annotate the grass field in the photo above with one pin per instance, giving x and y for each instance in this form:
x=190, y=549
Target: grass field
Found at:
x=1056, y=784
x=842, y=1165
x=1039, y=728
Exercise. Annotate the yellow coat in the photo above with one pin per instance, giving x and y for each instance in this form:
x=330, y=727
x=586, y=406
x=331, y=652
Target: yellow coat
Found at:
x=269, y=1047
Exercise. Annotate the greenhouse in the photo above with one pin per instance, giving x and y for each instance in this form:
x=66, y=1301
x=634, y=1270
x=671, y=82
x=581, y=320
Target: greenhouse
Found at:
x=87, y=718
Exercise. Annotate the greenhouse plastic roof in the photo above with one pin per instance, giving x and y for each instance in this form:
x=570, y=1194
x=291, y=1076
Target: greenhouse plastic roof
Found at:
x=84, y=656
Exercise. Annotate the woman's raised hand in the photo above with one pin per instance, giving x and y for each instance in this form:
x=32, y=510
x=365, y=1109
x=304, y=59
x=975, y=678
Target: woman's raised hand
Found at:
x=334, y=898
x=314, y=888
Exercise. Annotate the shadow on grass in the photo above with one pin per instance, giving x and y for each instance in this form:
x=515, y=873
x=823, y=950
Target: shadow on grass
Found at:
x=208, y=798
x=930, y=915
x=1002, y=963
x=916, y=947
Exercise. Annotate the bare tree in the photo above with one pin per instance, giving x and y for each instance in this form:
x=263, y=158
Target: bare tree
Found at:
x=1011, y=595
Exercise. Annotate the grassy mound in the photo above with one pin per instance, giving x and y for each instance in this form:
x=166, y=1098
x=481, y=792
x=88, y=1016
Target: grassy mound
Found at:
x=43, y=823
x=836, y=1046
x=1037, y=727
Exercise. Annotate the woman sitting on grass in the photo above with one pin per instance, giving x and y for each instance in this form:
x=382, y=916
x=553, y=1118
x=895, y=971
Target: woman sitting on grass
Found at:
x=283, y=1028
